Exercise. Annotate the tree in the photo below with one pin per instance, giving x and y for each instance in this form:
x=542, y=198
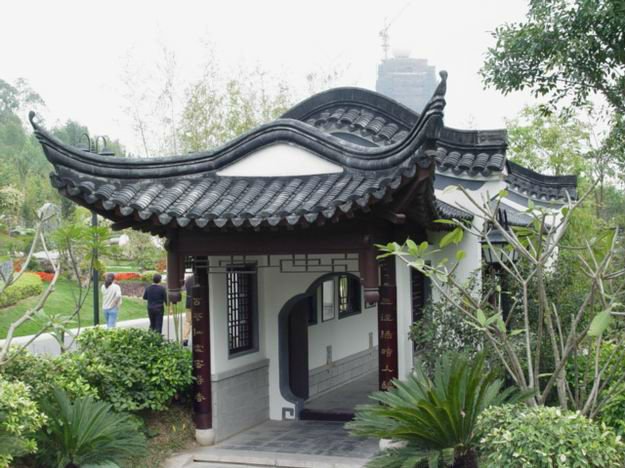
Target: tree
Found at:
x=8, y=277
x=10, y=203
x=215, y=114
x=15, y=97
x=173, y=116
x=564, y=48
x=571, y=49
x=552, y=143
x=540, y=322
x=560, y=143
x=74, y=133
x=142, y=250
x=22, y=162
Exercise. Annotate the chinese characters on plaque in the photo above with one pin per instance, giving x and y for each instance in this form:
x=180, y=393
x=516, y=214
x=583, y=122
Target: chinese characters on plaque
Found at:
x=387, y=325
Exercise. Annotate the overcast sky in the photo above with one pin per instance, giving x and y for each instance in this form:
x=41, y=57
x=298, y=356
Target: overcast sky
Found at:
x=74, y=53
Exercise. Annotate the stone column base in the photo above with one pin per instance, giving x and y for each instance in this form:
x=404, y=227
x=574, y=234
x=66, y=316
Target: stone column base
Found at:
x=205, y=437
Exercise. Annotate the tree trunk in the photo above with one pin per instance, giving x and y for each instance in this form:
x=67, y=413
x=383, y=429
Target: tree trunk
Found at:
x=467, y=460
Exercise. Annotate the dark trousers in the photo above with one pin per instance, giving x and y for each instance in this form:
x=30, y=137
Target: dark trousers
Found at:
x=156, y=319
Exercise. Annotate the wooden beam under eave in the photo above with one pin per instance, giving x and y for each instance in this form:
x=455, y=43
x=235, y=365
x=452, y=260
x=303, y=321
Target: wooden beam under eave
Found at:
x=408, y=195
x=368, y=267
x=330, y=238
x=391, y=216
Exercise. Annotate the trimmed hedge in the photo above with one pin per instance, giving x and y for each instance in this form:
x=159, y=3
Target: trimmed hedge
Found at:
x=28, y=285
x=148, y=275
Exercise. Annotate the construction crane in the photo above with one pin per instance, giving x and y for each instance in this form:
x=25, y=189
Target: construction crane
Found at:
x=387, y=24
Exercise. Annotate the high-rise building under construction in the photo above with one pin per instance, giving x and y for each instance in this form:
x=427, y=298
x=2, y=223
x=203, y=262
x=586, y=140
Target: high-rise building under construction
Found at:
x=411, y=81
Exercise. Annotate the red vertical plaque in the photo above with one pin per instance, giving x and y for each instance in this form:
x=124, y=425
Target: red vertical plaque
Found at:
x=387, y=323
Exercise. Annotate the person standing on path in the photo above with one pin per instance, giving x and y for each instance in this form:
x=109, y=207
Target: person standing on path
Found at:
x=111, y=300
x=156, y=295
x=188, y=286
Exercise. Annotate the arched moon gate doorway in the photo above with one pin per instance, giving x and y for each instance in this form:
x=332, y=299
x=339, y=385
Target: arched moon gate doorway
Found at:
x=307, y=379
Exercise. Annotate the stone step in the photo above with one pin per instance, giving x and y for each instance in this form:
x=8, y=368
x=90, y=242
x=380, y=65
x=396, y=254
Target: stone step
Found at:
x=214, y=457
x=218, y=465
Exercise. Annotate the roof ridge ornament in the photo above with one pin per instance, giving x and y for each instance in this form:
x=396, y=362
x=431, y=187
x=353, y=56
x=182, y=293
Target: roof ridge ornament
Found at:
x=441, y=89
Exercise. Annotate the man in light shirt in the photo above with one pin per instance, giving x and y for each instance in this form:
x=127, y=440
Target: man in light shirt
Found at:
x=111, y=300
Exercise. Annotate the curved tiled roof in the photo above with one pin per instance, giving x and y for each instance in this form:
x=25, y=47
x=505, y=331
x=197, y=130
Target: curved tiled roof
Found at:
x=237, y=201
x=187, y=191
x=538, y=186
x=458, y=161
x=383, y=150
x=370, y=119
x=447, y=211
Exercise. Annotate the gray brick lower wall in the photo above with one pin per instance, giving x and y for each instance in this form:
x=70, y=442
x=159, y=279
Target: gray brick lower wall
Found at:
x=342, y=371
x=240, y=399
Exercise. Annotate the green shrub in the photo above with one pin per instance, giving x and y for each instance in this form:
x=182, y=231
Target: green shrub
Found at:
x=86, y=432
x=28, y=285
x=19, y=421
x=613, y=413
x=580, y=374
x=436, y=417
x=147, y=276
x=442, y=330
x=134, y=369
x=42, y=373
x=519, y=436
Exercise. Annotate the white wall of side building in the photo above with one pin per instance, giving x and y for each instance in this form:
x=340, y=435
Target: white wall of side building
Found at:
x=405, y=352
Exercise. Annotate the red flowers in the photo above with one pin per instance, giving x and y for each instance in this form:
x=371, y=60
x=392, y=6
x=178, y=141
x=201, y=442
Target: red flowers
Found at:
x=47, y=277
x=127, y=276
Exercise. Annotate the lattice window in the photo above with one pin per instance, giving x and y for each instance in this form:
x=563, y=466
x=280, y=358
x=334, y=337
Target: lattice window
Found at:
x=348, y=295
x=417, y=287
x=241, y=302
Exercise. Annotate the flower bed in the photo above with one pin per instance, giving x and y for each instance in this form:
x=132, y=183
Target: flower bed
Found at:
x=127, y=276
x=46, y=277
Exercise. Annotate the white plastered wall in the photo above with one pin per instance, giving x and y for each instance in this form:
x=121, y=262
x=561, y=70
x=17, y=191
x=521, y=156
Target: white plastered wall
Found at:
x=470, y=244
x=347, y=336
x=470, y=264
x=404, y=319
x=280, y=160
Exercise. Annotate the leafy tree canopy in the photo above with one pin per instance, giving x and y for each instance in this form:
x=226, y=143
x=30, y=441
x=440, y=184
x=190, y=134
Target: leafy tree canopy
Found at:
x=214, y=114
x=551, y=143
x=565, y=48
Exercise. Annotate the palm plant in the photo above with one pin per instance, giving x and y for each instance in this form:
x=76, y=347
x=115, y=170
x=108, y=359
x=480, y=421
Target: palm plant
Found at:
x=87, y=432
x=433, y=419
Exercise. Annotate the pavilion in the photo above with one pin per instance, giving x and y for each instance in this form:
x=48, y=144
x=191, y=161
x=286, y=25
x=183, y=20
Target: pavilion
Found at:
x=280, y=227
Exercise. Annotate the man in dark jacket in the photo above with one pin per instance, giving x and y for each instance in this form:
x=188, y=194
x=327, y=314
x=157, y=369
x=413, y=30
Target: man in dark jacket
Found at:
x=156, y=295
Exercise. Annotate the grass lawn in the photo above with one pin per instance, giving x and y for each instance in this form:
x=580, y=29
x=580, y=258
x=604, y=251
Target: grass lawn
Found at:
x=61, y=301
x=119, y=266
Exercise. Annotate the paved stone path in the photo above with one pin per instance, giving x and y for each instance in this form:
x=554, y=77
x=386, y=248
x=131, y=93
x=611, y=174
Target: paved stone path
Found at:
x=346, y=397
x=288, y=444
x=302, y=437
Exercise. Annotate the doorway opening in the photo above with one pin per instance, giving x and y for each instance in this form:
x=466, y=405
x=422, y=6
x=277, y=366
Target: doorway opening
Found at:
x=328, y=349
